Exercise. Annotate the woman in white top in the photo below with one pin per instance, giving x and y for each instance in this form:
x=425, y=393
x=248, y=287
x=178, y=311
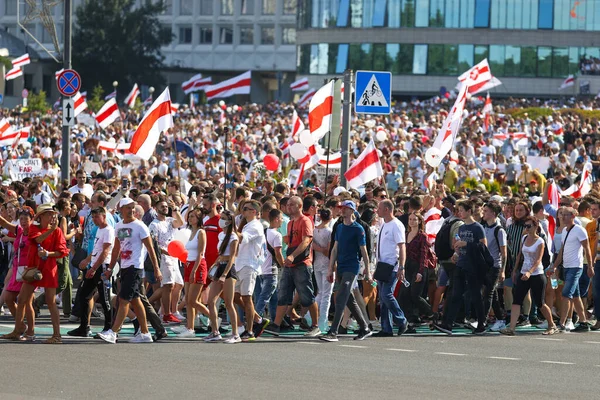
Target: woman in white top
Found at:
x=321, y=241
x=223, y=280
x=195, y=273
x=530, y=278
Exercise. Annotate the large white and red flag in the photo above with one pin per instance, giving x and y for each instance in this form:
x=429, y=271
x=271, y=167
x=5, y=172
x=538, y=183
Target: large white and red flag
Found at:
x=487, y=112
x=237, y=85
x=335, y=160
x=79, y=104
x=477, y=76
x=130, y=99
x=320, y=111
x=5, y=127
x=433, y=223
x=578, y=190
x=300, y=85
x=21, y=61
x=445, y=138
x=297, y=125
x=570, y=81
x=157, y=119
x=365, y=168
x=8, y=138
x=306, y=98
x=13, y=73
x=108, y=113
x=21, y=136
x=188, y=86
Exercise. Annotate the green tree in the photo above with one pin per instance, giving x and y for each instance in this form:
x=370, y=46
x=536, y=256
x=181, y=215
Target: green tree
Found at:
x=117, y=40
x=37, y=102
x=96, y=101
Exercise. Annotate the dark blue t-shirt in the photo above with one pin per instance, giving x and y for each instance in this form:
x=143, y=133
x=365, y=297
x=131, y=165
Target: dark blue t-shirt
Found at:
x=472, y=233
x=349, y=238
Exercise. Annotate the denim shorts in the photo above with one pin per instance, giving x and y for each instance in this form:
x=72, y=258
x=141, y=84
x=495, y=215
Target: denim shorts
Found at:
x=300, y=279
x=443, y=280
x=571, y=288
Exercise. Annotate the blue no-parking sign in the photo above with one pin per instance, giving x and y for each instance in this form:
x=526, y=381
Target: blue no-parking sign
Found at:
x=373, y=92
x=68, y=82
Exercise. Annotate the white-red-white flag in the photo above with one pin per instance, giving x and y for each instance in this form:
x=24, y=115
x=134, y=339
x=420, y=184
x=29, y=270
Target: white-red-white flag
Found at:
x=433, y=223
x=306, y=98
x=174, y=108
x=21, y=136
x=157, y=119
x=5, y=127
x=13, y=73
x=578, y=190
x=297, y=126
x=320, y=111
x=335, y=160
x=113, y=146
x=447, y=133
x=477, y=76
x=487, y=112
x=111, y=95
x=79, y=104
x=148, y=101
x=8, y=138
x=300, y=85
x=130, y=99
x=365, y=168
x=188, y=86
x=570, y=81
x=237, y=85
x=492, y=83
x=21, y=61
x=108, y=114
x=57, y=73
x=553, y=199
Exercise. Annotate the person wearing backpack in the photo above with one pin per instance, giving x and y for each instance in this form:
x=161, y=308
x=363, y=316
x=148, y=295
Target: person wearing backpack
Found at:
x=496, y=242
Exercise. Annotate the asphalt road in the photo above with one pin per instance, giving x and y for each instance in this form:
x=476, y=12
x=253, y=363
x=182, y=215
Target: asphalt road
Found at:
x=427, y=365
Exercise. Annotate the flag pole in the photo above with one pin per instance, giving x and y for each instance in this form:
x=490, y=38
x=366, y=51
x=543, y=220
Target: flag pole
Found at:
x=226, y=131
x=346, y=120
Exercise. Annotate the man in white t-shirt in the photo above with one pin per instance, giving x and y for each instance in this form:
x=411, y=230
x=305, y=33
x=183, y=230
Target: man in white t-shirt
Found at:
x=571, y=257
x=93, y=281
x=132, y=244
x=84, y=188
x=391, y=249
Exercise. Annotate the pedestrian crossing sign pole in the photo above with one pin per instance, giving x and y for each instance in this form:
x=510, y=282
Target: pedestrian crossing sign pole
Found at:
x=373, y=92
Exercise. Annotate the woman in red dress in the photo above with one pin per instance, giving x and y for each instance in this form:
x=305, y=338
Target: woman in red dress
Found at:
x=51, y=245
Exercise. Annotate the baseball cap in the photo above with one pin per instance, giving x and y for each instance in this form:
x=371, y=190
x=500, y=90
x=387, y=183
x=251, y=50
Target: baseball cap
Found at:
x=338, y=190
x=126, y=201
x=349, y=204
x=497, y=198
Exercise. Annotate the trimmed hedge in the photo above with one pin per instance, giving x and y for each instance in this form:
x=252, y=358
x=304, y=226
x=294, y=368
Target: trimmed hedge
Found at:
x=539, y=112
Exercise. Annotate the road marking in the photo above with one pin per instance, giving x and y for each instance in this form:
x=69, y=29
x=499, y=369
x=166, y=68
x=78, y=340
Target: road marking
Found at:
x=353, y=346
x=404, y=350
x=550, y=339
x=449, y=354
x=505, y=358
x=317, y=343
x=592, y=342
x=557, y=362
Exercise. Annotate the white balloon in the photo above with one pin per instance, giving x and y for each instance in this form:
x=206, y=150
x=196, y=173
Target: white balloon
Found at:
x=432, y=156
x=267, y=128
x=306, y=138
x=370, y=123
x=381, y=136
x=236, y=108
x=221, y=103
x=298, y=151
x=228, y=109
x=183, y=235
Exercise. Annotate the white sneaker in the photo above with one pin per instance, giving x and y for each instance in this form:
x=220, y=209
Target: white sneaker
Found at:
x=178, y=329
x=233, y=340
x=2, y=312
x=543, y=325
x=375, y=324
x=179, y=316
x=213, y=337
x=498, y=325
x=142, y=338
x=109, y=336
x=188, y=333
x=241, y=329
x=569, y=326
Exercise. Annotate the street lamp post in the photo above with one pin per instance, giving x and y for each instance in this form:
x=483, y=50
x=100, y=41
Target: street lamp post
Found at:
x=115, y=84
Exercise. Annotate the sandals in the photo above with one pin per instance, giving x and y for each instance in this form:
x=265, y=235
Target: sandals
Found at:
x=551, y=331
x=11, y=336
x=27, y=338
x=54, y=340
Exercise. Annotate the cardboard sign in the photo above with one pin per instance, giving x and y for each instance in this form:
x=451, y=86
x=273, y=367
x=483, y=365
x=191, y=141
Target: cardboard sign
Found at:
x=24, y=168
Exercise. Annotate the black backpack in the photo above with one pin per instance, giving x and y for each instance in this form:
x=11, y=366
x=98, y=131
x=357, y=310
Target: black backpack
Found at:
x=443, y=242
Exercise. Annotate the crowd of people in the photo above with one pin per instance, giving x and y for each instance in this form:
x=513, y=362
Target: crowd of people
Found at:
x=476, y=243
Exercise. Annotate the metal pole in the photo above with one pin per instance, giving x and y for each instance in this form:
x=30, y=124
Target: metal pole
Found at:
x=346, y=120
x=226, y=130
x=66, y=140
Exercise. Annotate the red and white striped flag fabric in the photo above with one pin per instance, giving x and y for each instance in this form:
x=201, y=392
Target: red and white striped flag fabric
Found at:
x=583, y=187
x=570, y=81
x=108, y=114
x=130, y=99
x=447, y=133
x=79, y=104
x=557, y=127
x=300, y=85
x=365, y=168
x=8, y=138
x=188, y=86
x=492, y=83
x=5, y=128
x=113, y=146
x=157, y=119
x=21, y=61
x=433, y=223
x=203, y=83
x=13, y=73
x=335, y=160
x=320, y=111
x=553, y=199
x=111, y=95
x=306, y=98
x=174, y=108
x=297, y=126
x=487, y=112
x=477, y=76
x=57, y=73
x=237, y=85
x=21, y=137
x=148, y=101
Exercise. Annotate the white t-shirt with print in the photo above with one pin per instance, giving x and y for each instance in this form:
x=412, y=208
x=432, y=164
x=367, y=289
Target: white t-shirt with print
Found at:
x=133, y=251
x=103, y=235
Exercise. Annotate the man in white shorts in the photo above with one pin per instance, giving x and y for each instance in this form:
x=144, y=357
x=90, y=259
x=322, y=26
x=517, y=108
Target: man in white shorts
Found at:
x=162, y=230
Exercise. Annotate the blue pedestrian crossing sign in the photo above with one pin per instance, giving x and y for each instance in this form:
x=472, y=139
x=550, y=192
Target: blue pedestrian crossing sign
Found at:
x=373, y=92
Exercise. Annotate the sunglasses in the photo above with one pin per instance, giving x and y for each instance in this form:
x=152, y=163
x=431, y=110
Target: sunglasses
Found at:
x=383, y=196
x=528, y=226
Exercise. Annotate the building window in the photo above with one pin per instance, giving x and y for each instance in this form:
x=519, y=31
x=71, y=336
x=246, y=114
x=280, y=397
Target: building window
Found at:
x=267, y=35
x=48, y=82
x=419, y=66
x=465, y=56
x=303, y=59
x=545, y=14
x=206, y=7
x=246, y=35
x=226, y=36
x=367, y=17
x=268, y=7
x=481, y=53
x=421, y=13
x=528, y=61
x=560, y=62
x=206, y=36
x=435, y=59
x=407, y=16
x=436, y=13
x=512, y=60
x=226, y=7
x=467, y=13
x=482, y=14
x=342, y=59
x=497, y=59
x=10, y=7
x=186, y=7
x=544, y=61
x=343, y=13
x=9, y=89
x=290, y=7
x=28, y=81
x=356, y=13
x=452, y=14
x=247, y=7
x=289, y=36
x=168, y=7
x=185, y=35
x=393, y=14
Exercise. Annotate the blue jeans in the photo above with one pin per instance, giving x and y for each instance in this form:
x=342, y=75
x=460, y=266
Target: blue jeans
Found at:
x=584, y=282
x=597, y=290
x=266, y=286
x=571, y=288
x=390, y=310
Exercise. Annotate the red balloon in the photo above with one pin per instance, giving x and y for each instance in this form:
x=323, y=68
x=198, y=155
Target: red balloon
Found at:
x=224, y=107
x=177, y=249
x=271, y=162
